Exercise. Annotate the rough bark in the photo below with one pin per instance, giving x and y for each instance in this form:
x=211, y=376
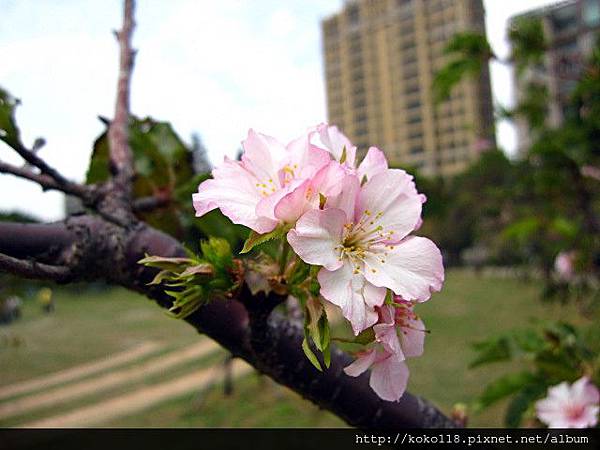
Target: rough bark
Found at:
x=94, y=248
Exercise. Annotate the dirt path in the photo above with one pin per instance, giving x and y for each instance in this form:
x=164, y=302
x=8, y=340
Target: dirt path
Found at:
x=47, y=381
x=108, y=381
x=136, y=401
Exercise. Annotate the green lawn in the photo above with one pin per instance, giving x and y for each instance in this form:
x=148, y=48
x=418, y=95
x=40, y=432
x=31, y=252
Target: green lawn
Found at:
x=88, y=325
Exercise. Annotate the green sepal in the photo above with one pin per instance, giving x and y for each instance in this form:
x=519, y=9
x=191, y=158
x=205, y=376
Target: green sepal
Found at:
x=256, y=239
x=310, y=355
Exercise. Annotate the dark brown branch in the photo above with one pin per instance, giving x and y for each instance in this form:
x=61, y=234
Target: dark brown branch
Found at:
x=33, y=269
x=47, y=182
x=118, y=133
x=95, y=249
x=147, y=204
x=38, y=162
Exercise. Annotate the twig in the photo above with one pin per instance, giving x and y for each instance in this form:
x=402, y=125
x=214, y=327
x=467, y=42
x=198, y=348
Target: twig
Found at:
x=38, y=162
x=118, y=133
x=147, y=204
x=48, y=182
x=32, y=269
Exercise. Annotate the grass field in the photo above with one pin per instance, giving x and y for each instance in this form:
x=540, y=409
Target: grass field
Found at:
x=88, y=326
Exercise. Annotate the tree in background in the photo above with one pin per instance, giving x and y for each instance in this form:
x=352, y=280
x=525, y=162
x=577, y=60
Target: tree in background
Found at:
x=545, y=205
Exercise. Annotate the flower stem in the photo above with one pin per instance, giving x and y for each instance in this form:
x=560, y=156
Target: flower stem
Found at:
x=285, y=251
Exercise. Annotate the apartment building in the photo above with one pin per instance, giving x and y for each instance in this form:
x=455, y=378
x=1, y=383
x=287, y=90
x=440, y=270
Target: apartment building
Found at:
x=570, y=29
x=380, y=59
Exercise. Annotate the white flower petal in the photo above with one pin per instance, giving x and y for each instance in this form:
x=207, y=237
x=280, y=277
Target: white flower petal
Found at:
x=373, y=163
x=392, y=200
x=412, y=269
x=317, y=235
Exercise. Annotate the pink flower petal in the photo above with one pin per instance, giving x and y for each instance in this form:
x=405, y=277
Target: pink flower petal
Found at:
x=413, y=268
x=393, y=203
x=361, y=364
x=389, y=378
x=346, y=200
x=267, y=205
x=306, y=159
x=316, y=237
x=385, y=332
x=234, y=191
x=413, y=338
x=335, y=141
x=373, y=163
x=306, y=196
x=262, y=155
x=352, y=293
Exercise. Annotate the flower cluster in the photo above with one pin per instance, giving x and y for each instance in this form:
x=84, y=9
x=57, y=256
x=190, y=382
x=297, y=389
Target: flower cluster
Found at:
x=353, y=222
x=570, y=406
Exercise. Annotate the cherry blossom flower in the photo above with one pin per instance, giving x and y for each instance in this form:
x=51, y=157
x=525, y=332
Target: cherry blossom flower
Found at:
x=564, y=265
x=332, y=139
x=389, y=374
x=362, y=241
x=399, y=334
x=570, y=406
x=249, y=190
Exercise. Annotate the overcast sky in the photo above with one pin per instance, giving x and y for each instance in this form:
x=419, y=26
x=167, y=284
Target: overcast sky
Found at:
x=216, y=67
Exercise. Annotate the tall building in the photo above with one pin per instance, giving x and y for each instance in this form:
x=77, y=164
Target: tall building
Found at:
x=570, y=28
x=380, y=59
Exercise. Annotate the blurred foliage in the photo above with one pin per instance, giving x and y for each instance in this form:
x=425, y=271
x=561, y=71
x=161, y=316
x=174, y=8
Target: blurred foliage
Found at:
x=548, y=354
x=9, y=132
x=469, y=54
x=165, y=167
x=528, y=43
x=526, y=212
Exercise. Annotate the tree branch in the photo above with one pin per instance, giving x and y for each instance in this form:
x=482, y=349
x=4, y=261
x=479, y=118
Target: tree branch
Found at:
x=33, y=269
x=48, y=182
x=147, y=204
x=118, y=133
x=38, y=162
x=93, y=248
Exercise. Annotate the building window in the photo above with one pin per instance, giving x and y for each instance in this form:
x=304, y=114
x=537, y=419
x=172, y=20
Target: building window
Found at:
x=564, y=20
x=413, y=104
x=353, y=14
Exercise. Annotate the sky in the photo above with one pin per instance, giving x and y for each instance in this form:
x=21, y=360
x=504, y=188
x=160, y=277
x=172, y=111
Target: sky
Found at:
x=215, y=67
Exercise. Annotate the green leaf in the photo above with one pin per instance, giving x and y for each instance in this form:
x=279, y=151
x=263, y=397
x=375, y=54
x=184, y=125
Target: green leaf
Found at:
x=162, y=262
x=503, y=387
x=203, y=270
x=217, y=251
x=310, y=355
x=528, y=341
x=344, y=155
x=528, y=42
x=521, y=402
x=556, y=366
x=327, y=356
x=324, y=332
x=491, y=350
x=256, y=239
x=470, y=53
x=163, y=166
x=9, y=132
x=161, y=276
